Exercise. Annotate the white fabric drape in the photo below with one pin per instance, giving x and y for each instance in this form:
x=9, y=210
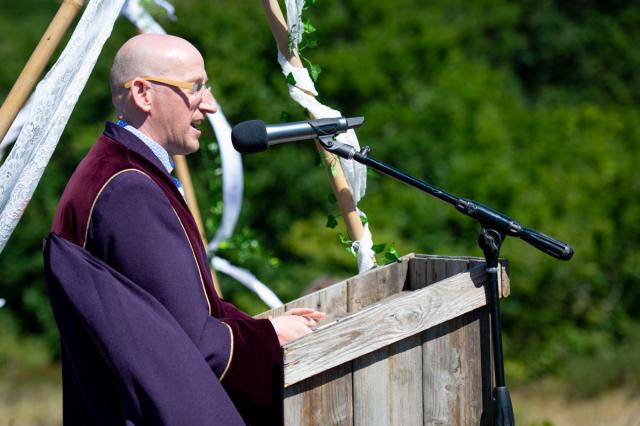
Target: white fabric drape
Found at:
x=16, y=126
x=53, y=101
x=294, y=14
x=355, y=173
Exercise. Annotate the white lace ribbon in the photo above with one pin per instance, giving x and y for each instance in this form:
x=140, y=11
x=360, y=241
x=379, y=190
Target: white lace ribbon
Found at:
x=53, y=101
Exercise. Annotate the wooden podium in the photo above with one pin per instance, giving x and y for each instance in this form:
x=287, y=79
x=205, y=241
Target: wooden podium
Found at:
x=404, y=344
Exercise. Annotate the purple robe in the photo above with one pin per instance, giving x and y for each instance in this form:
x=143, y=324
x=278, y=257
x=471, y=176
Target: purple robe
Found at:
x=145, y=339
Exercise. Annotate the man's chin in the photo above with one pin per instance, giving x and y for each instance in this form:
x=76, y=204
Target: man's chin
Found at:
x=191, y=144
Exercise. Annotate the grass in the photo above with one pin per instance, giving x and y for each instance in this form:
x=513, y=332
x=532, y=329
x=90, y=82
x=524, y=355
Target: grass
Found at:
x=38, y=402
x=550, y=403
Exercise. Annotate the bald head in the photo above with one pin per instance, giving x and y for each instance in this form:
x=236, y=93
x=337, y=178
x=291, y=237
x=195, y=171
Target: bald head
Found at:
x=157, y=55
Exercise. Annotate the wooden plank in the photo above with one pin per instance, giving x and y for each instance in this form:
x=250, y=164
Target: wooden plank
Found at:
x=382, y=324
x=324, y=399
x=367, y=289
x=457, y=371
x=327, y=397
x=272, y=312
x=439, y=385
x=387, y=385
x=456, y=365
x=377, y=279
x=421, y=272
x=331, y=300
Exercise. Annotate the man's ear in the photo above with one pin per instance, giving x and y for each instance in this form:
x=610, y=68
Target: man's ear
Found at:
x=141, y=94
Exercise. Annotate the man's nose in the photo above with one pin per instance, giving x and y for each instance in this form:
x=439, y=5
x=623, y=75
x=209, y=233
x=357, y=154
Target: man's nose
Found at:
x=208, y=103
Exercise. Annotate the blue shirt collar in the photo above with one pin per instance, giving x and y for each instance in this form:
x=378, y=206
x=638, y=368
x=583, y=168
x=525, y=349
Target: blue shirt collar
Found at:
x=154, y=146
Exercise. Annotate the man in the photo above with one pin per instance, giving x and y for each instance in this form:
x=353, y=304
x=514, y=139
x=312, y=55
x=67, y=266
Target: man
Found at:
x=145, y=339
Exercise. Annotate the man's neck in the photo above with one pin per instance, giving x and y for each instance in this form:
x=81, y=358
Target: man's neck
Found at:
x=154, y=146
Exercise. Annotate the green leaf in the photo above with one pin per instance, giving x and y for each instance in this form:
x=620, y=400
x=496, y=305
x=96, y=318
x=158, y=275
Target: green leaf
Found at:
x=308, y=28
x=285, y=117
x=331, y=221
x=392, y=255
x=363, y=218
x=291, y=79
x=311, y=41
x=332, y=170
x=332, y=198
x=308, y=4
x=315, y=71
x=289, y=42
x=351, y=250
x=343, y=239
x=378, y=248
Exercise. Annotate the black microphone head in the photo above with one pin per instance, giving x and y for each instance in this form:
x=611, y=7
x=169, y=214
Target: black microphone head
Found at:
x=250, y=136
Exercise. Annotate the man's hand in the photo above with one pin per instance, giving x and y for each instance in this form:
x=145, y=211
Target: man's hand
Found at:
x=295, y=323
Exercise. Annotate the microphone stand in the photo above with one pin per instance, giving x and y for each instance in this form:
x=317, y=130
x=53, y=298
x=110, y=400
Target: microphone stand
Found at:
x=495, y=227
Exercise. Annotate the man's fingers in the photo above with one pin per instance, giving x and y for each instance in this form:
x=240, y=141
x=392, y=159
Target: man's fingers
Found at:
x=299, y=311
x=308, y=312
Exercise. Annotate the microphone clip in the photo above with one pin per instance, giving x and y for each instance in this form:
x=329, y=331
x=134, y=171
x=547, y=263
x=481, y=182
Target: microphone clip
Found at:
x=343, y=150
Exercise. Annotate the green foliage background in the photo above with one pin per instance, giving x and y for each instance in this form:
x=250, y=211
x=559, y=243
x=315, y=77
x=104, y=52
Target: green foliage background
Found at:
x=531, y=107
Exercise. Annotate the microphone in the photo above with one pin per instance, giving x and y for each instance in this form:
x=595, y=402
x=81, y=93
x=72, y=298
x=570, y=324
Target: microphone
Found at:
x=255, y=136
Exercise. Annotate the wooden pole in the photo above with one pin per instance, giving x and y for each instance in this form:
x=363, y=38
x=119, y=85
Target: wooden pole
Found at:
x=334, y=171
x=37, y=62
x=182, y=173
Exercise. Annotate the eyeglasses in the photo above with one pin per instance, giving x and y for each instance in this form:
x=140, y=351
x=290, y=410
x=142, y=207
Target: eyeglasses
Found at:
x=196, y=88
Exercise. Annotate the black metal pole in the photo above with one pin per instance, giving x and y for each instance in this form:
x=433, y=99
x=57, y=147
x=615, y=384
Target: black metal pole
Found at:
x=490, y=242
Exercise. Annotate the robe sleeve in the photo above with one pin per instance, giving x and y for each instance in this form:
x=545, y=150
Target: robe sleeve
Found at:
x=135, y=230
x=251, y=334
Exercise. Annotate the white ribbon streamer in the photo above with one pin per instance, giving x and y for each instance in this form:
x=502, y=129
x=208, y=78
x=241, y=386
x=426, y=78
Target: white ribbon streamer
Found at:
x=53, y=101
x=249, y=280
x=134, y=12
x=232, y=189
x=232, y=179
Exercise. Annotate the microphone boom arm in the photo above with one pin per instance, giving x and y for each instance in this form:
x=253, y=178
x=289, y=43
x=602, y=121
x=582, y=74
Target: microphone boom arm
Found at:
x=486, y=216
